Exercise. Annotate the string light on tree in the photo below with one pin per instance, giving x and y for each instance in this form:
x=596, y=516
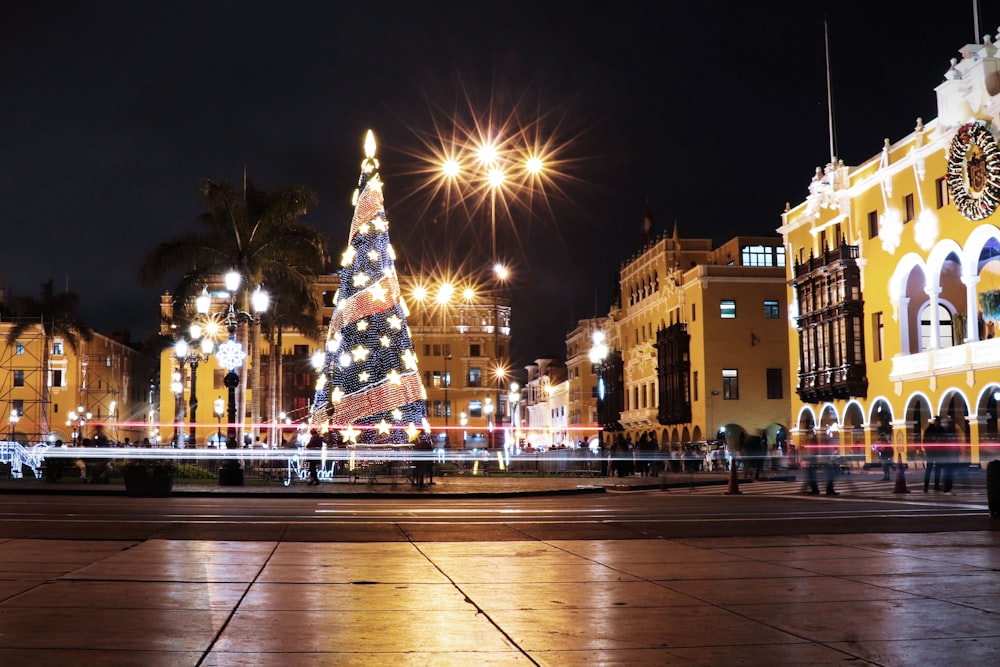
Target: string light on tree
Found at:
x=369, y=383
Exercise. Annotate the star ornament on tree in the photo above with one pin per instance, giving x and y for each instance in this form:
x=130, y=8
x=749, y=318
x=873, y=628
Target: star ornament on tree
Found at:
x=410, y=360
x=412, y=431
x=350, y=434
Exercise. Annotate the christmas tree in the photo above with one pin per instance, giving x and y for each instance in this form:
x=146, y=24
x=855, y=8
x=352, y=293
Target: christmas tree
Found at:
x=369, y=387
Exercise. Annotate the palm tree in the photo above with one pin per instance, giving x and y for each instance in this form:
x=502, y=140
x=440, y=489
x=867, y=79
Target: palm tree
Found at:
x=255, y=232
x=57, y=315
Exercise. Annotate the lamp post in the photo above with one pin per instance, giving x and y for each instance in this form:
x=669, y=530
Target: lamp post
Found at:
x=501, y=166
x=598, y=355
x=463, y=420
x=12, y=422
x=78, y=419
x=446, y=380
x=230, y=355
x=513, y=401
x=219, y=406
x=488, y=409
x=177, y=389
x=193, y=353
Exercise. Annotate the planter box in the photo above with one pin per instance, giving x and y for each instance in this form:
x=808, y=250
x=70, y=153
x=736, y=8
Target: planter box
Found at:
x=230, y=476
x=145, y=483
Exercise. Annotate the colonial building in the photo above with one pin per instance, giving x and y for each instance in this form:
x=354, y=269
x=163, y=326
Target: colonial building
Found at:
x=546, y=404
x=702, y=340
x=580, y=371
x=894, y=273
x=43, y=380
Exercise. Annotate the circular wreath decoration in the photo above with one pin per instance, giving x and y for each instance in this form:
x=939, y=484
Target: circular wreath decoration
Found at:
x=974, y=171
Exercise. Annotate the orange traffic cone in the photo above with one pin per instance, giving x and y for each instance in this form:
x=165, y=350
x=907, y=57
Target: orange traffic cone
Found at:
x=734, y=484
x=900, y=477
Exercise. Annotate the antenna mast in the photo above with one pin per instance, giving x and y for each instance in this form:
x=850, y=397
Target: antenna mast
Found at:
x=975, y=21
x=829, y=90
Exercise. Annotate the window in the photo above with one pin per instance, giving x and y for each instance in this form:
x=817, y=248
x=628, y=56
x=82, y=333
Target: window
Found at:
x=694, y=317
x=446, y=378
x=908, y=208
x=878, y=339
x=475, y=409
x=18, y=378
x=774, y=389
x=57, y=347
x=436, y=381
x=475, y=350
x=437, y=350
x=427, y=378
x=763, y=255
x=475, y=377
x=57, y=378
x=427, y=350
x=943, y=194
x=771, y=310
x=730, y=384
x=437, y=408
x=872, y=224
x=694, y=384
x=19, y=348
x=727, y=309
x=17, y=405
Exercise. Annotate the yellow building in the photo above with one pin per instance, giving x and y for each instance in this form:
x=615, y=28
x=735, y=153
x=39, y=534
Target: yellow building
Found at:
x=461, y=335
x=582, y=380
x=891, y=263
x=110, y=384
x=703, y=341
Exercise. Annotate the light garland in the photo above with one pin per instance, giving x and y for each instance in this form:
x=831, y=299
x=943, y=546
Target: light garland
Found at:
x=974, y=171
x=372, y=383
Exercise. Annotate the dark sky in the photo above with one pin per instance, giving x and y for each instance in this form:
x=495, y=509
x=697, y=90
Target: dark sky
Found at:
x=112, y=113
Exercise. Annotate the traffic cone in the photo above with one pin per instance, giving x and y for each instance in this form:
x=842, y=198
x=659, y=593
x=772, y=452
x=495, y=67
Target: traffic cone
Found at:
x=734, y=484
x=900, y=477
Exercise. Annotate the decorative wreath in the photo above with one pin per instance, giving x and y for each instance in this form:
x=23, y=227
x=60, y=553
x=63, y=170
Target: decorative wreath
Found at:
x=974, y=171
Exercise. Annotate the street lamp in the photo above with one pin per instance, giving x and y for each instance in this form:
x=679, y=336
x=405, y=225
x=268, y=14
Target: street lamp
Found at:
x=446, y=380
x=500, y=166
x=219, y=406
x=12, y=421
x=193, y=353
x=463, y=420
x=177, y=387
x=488, y=409
x=78, y=419
x=598, y=355
x=513, y=400
x=230, y=355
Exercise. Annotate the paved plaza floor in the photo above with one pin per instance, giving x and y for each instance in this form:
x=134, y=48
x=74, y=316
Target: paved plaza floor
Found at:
x=857, y=599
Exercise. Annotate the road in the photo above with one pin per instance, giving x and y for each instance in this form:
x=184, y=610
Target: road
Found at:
x=761, y=509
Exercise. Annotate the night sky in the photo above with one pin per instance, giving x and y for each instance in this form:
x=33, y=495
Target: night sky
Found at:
x=112, y=113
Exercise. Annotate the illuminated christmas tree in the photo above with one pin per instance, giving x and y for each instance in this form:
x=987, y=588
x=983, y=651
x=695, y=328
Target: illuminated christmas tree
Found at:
x=369, y=386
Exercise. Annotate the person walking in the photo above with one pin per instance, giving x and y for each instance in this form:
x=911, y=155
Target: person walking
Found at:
x=315, y=444
x=885, y=453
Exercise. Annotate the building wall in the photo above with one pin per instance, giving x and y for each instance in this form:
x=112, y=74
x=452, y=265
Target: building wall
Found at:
x=107, y=378
x=916, y=250
x=684, y=281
